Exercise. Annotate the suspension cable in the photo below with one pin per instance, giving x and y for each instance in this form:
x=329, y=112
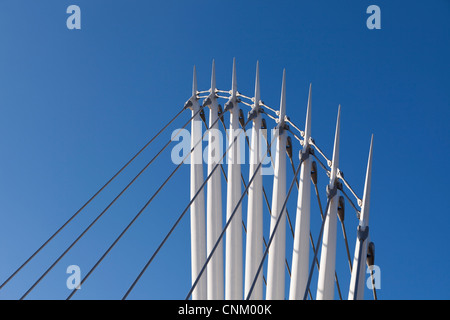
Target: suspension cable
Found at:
x=180, y=217
x=92, y=198
x=105, y=210
x=274, y=230
x=139, y=213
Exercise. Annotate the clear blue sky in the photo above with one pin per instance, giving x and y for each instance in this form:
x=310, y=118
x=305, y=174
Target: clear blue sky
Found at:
x=77, y=104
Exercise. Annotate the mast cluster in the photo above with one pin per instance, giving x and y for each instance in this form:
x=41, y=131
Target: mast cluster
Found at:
x=241, y=277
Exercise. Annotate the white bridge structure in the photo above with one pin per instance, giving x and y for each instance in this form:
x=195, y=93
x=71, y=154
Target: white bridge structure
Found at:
x=236, y=278
x=225, y=264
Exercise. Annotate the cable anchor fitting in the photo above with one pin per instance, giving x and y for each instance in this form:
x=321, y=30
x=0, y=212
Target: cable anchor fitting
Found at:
x=363, y=233
x=331, y=191
x=304, y=153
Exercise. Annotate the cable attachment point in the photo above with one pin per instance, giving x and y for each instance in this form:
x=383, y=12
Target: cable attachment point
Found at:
x=188, y=104
x=228, y=105
x=363, y=233
x=331, y=192
x=220, y=112
x=202, y=115
x=263, y=124
x=281, y=126
x=289, y=147
x=341, y=208
x=304, y=153
x=241, y=118
x=371, y=254
x=254, y=113
x=339, y=185
x=207, y=100
x=314, y=172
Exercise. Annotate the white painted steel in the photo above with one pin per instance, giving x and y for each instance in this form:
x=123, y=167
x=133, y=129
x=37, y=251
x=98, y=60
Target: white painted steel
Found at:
x=357, y=283
x=234, y=244
x=300, y=253
x=254, y=239
x=197, y=210
x=214, y=271
x=325, y=286
x=276, y=259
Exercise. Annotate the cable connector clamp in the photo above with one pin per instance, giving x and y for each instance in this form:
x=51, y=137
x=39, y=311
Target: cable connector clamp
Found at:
x=253, y=113
x=363, y=233
x=331, y=192
x=304, y=153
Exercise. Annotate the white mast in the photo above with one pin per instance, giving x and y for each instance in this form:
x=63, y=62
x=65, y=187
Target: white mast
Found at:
x=198, y=237
x=234, y=245
x=254, y=243
x=276, y=259
x=357, y=282
x=325, y=286
x=300, y=253
x=214, y=198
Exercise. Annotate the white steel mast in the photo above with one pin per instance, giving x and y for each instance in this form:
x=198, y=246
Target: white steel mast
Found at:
x=197, y=213
x=214, y=198
x=234, y=245
x=357, y=282
x=300, y=253
x=325, y=286
x=276, y=259
x=254, y=243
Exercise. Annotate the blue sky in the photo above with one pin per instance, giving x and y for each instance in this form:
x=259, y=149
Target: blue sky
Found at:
x=77, y=104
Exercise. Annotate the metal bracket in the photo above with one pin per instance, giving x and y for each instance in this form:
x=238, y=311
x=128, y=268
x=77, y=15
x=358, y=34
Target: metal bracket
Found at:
x=282, y=126
x=228, y=106
x=331, y=192
x=314, y=172
x=289, y=147
x=363, y=233
x=304, y=153
x=207, y=101
x=241, y=118
x=188, y=104
x=253, y=113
